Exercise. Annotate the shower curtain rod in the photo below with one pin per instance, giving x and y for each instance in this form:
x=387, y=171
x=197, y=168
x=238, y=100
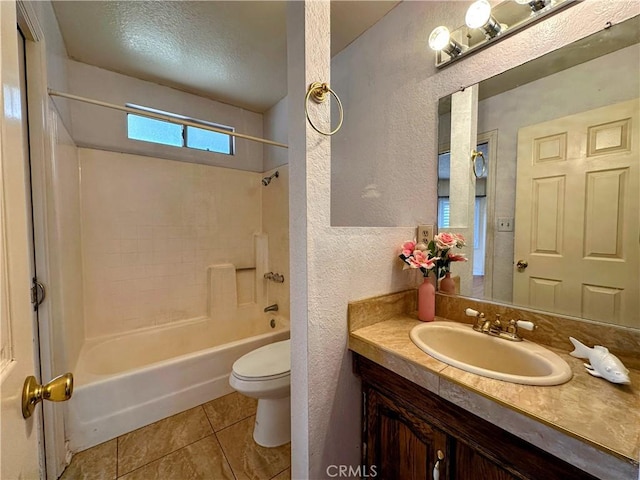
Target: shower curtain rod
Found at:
x=165, y=118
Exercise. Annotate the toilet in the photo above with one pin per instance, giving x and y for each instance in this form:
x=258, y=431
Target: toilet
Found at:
x=265, y=374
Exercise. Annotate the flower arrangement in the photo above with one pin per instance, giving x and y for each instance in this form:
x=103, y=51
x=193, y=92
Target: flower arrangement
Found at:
x=436, y=256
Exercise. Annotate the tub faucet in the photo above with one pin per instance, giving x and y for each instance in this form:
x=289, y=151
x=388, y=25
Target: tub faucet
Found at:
x=271, y=308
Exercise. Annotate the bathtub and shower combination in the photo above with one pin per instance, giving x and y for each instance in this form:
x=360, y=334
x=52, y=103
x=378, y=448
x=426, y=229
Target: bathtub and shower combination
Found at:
x=128, y=381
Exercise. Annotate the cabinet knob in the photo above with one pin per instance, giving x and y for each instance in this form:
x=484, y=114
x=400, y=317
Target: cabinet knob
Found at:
x=436, y=467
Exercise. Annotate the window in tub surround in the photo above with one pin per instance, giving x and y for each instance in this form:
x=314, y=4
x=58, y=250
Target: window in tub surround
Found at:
x=151, y=130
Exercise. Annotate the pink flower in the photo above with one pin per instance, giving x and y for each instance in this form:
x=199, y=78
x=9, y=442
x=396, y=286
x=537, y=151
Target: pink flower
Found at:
x=408, y=248
x=420, y=259
x=459, y=240
x=445, y=240
x=456, y=257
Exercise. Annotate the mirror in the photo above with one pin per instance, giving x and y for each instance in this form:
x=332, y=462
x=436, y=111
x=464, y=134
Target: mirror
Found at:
x=560, y=136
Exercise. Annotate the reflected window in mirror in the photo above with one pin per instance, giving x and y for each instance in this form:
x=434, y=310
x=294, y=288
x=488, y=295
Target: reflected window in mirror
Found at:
x=480, y=242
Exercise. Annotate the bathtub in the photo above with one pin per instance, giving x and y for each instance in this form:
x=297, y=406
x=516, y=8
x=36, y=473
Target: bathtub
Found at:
x=126, y=382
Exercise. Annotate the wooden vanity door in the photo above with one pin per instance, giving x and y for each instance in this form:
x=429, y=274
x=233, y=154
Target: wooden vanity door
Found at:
x=471, y=465
x=577, y=215
x=400, y=445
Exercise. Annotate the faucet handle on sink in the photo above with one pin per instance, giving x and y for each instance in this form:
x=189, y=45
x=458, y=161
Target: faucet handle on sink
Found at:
x=527, y=325
x=480, y=322
x=512, y=330
x=473, y=313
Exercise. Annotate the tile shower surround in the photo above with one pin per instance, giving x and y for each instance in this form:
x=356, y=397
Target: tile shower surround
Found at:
x=150, y=229
x=210, y=442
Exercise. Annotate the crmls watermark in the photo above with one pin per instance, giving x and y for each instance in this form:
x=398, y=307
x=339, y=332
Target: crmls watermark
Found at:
x=350, y=471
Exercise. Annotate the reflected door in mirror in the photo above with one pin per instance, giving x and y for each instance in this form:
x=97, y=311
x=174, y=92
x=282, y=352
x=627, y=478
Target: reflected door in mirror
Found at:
x=577, y=215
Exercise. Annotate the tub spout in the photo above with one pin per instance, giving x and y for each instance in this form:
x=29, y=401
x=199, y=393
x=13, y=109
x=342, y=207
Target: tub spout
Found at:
x=272, y=308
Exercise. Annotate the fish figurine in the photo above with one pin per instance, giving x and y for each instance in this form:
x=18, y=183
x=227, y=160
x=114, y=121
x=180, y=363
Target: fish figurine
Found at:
x=601, y=363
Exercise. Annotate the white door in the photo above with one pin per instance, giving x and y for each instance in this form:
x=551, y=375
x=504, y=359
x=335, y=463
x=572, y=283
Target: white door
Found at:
x=19, y=438
x=577, y=215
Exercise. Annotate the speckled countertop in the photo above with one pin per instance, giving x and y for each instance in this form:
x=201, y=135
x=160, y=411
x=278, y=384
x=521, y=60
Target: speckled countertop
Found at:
x=586, y=421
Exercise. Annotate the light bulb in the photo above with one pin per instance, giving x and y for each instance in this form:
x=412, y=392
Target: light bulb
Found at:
x=534, y=4
x=478, y=14
x=439, y=38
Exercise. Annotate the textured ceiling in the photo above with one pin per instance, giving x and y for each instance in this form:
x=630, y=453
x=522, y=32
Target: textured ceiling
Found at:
x=234, y=52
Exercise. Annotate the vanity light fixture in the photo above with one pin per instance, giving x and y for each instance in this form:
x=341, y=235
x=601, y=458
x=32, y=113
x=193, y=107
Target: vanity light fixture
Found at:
x=534, y=4
x=440, y=40
x=485, y=26
x=479, y=16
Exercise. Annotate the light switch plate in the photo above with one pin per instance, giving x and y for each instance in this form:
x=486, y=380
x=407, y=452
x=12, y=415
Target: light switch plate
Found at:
x=505, y=224
x=425, y=234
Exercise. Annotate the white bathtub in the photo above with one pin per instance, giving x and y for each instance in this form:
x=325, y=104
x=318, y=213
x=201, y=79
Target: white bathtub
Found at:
x=126, y=382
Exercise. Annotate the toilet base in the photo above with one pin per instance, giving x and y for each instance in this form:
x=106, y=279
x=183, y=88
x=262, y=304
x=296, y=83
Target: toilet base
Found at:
x=273, y=422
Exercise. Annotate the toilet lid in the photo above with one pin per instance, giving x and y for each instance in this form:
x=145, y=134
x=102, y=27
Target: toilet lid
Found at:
x=267, y=361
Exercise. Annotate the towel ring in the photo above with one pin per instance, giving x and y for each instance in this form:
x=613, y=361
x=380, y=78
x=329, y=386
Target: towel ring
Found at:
x=318, y=92
x=474, y=157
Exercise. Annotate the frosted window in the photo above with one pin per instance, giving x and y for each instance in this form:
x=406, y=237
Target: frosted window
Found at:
x=155, y=131
x=207, y=140
x=167, y=133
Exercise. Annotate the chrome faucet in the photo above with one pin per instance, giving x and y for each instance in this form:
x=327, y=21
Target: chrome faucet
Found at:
x=271, y=308
x=496, y=328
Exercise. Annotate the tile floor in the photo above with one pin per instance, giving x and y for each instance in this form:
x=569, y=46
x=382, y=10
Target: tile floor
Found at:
x=210, y=442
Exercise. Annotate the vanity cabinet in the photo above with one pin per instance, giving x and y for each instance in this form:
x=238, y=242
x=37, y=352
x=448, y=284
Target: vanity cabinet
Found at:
x=405, y=427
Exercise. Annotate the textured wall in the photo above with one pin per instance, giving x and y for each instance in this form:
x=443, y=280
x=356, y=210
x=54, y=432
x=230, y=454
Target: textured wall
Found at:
x=390, y=86
x=150, y=229
x=329, y=267
x=275, y=128
x=383, y=166
x=99, y=127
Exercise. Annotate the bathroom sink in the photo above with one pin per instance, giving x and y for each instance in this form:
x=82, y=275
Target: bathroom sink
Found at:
x=457, y=344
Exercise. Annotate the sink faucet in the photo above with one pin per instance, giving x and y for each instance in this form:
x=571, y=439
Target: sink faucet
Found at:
x=271, y=308
x=496, y=328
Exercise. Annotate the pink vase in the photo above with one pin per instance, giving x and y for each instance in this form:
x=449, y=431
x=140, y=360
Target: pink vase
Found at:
x=426, y=301
x=447, y=285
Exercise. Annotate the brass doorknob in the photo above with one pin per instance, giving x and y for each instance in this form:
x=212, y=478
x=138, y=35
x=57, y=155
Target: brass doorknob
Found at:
x=522, y=264
x=57, y=390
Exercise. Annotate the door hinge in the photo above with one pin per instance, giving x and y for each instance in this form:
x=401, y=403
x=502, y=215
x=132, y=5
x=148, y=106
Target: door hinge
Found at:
x=38, y=294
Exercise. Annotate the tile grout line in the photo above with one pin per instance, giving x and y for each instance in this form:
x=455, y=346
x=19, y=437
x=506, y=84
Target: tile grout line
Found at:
x=218, y=440
x=231, y=424
x=284, y=470
x=117, y=461
x=170, y=453
x=215, y=434
x=234, y=423
x=233, y=472
x=178, y=449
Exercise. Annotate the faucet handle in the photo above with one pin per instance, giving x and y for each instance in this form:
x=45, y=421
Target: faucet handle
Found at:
x=479, y=316
x=473, y=313
x=527, y=325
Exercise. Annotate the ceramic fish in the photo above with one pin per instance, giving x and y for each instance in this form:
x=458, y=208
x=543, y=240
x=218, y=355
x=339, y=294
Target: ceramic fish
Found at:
x=601, y=363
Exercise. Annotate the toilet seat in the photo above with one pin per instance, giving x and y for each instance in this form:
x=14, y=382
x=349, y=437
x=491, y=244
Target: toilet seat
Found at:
x=270, y=362
x=261, y=379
